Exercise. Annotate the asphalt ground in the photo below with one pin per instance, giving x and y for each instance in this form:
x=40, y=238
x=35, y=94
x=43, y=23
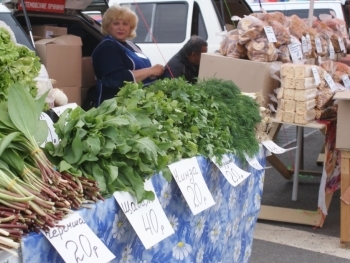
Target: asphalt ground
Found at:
x=294, y=243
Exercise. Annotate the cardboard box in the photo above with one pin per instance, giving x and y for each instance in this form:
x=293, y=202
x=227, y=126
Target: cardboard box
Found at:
x=87, y=73
x=343, y=124
x=47, y=31
x=62, y=58
x=73, y=94
x=249, y=76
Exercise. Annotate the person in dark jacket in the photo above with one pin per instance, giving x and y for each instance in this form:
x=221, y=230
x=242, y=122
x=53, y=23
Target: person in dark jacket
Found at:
x=117, y=60
x=185, y=63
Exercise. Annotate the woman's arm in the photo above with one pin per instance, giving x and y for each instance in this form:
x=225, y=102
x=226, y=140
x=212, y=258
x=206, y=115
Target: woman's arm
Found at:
x=152, y=72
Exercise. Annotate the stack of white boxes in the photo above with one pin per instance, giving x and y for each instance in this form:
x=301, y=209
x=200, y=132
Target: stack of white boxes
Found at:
x=296, y=97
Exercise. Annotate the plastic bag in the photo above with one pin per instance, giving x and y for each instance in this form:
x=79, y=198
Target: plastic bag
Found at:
x=336, y=24
x=231, y=47
x=297, y=27
x=252, y=28
x=283, y=54
x=261, y=50
x=272, y=16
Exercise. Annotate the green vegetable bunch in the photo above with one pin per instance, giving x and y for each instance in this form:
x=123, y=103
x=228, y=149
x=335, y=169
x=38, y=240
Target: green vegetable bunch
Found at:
x=222, y=119
x=127, y=139
x=111, y=144
x=238, y=112
x=18, y=65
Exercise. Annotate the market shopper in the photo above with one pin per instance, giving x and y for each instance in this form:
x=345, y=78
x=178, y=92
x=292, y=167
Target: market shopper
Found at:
x=185, y=63
x=116, y=59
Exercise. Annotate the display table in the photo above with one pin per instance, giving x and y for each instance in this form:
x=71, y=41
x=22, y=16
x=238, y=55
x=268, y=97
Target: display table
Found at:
x=327, y=186
x=222, y=233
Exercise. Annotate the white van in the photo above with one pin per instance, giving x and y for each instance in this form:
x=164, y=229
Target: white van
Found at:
x=301, y=8
x=173, y=22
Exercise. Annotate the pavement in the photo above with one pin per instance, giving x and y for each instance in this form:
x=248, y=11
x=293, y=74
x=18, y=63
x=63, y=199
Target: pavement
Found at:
x=279, y=242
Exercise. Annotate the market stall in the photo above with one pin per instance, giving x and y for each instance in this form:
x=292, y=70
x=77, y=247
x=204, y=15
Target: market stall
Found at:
x=295, y=62
x=223, y=232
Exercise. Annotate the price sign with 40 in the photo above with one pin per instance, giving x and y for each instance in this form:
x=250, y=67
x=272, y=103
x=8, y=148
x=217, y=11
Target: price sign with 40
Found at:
x=154, y=225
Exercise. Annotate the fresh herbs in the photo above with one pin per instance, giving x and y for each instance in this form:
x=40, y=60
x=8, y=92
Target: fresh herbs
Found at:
x=33, y=194
x=18, y=64
x=127, y=139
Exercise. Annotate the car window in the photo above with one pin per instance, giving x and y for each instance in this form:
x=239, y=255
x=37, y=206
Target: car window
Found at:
x=304, y=13
x=198, y=25
x=21, y=36
x=167, y=22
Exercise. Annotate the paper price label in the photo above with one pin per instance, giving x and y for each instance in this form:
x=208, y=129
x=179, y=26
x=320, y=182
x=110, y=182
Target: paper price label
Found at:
x=52, y=135
x=308, y=40
x=274, y=148
x=295, y=51
x=316, y=75
x=318, y=44
x=61, y=109
x=331, y=51
x=233, y=174
x=304, y=45
x=190, y=180
x=253, y=162
x=147, y=218
x=341, y=44
x=76, y=242
x=330, y=81
x=270, y=34
x=346, y=81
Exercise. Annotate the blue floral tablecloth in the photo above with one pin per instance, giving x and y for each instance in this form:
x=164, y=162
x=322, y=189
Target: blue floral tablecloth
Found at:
x=220, y=234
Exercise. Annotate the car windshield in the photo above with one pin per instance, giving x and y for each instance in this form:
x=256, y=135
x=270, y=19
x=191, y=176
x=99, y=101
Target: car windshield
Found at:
x=17, y=30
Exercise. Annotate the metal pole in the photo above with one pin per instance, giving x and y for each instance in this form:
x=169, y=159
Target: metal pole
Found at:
x=300, y=132
x=27, y=21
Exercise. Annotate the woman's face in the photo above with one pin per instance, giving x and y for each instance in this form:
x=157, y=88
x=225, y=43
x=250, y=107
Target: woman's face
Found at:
x=120, y=29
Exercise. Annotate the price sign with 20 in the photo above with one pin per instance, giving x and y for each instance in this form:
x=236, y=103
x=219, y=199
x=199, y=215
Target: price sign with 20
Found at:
x=154, y=225
x=190, y=180
x=233, y=174
x=76, y=243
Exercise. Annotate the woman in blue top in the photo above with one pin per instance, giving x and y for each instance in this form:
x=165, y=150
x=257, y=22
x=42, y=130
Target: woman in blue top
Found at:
x=116, y=59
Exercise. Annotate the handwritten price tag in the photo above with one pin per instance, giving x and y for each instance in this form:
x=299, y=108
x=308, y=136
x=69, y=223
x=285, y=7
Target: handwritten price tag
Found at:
x=318, y=45
x=274, y=148
x=330, y=82
x=304, y=45
x=233, y=174
x=295, y=51
x=270, y=34
x=147, y=218
x=253, y=162
x=76, y=242
x=316, y=75
x=190, y=180
x=341, y=44
x=346, y=81
x=331, y=51
x=61, y=109
x=308, y=40
x=52, y=135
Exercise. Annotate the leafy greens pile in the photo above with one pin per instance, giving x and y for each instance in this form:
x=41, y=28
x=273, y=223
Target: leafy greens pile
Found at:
x=18, y=65
x=128, y=138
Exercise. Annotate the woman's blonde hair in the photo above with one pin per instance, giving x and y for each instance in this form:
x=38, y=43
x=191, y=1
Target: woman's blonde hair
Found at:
x=117, y=12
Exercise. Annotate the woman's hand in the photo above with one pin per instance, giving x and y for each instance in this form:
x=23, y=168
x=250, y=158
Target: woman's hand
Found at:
x=151, y=72
x=157, y=70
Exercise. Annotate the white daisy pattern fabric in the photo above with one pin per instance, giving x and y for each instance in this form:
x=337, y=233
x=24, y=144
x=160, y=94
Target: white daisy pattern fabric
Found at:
x=223, y=233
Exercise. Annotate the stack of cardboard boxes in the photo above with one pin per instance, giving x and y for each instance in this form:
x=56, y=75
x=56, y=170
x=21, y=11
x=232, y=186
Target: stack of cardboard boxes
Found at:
x=62, y=56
